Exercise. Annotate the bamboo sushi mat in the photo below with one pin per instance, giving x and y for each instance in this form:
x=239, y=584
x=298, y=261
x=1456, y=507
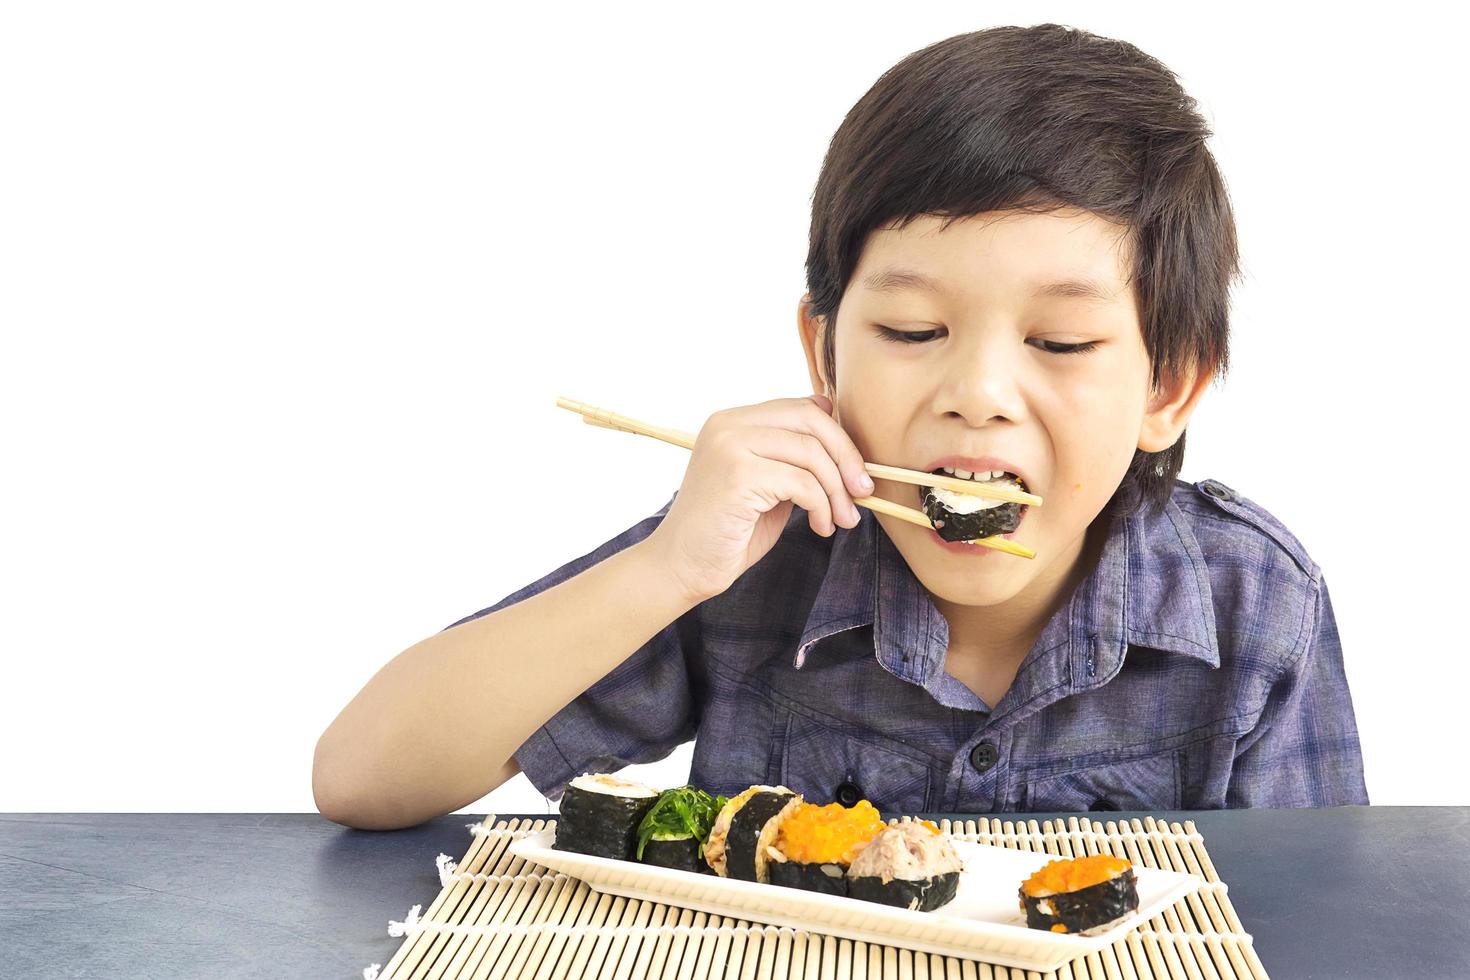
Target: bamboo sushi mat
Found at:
x=499, y=917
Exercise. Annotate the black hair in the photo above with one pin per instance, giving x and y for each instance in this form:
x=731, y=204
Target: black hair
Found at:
x=1041, y=119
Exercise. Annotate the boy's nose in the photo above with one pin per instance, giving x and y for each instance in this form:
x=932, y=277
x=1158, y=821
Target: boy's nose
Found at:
x=981, y=385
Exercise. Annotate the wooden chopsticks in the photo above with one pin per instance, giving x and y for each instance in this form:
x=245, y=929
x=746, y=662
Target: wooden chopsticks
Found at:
x=593, y=415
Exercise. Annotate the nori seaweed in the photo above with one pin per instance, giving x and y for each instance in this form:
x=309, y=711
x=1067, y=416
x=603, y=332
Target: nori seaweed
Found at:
x=1086, y=907
x=680, y=853
x=966, y=527
x=829, y=878
x=745, y=830
x=600, y=824
x=921, y=896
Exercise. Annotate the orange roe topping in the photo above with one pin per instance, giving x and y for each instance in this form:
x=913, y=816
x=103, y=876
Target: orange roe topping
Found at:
x=934, y=827
x=1059, y=927
x=828, y=833
x=1072, y=875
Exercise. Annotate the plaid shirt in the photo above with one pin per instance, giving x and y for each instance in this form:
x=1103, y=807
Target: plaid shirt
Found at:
x=1197, y=667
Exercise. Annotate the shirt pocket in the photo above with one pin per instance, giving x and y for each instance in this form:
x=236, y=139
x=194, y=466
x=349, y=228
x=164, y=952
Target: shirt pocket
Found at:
x=1149, y=783
x=828, y=763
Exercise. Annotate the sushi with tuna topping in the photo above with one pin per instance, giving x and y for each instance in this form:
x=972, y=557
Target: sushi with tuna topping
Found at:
x=600, y=814
x=815, y=845
x=964, y=516
x=673, y=832
x=910, y=865
x=744, y=827
x=1081, y=896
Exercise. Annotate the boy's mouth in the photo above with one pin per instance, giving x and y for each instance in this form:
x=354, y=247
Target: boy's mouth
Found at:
x=964, y=517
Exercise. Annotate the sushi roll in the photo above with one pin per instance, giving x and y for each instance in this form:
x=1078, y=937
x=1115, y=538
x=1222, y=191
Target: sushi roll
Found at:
x=1082, y=896
x=673, y=832
x=600, y=815
x=815, y=845
x=910, y=865
x=964, y=516
x=737, y=842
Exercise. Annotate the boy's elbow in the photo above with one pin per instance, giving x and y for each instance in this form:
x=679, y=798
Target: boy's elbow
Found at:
x=331, y=791
x=339, y=793
x=344, y=796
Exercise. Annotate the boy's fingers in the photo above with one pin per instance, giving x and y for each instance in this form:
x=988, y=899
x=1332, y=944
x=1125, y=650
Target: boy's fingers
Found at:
x=806, y=415
x=791, y=482
x=842, y=449
x=806, y=451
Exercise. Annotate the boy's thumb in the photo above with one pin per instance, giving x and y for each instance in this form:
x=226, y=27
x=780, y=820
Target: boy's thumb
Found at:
x=823, y=402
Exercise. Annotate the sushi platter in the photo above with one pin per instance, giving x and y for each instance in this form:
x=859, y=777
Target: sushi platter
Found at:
x=843, y=871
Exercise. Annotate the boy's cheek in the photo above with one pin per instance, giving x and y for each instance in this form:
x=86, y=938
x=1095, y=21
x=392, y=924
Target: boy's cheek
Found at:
x=1090, y=473
x=866, y=435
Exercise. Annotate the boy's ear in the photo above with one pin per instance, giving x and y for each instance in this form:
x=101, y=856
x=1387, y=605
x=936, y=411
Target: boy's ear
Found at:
x=1169, y=408
x=811, y=329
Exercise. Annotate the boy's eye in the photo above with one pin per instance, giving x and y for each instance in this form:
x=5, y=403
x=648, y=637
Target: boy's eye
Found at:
x=1053, y=347
x=906, y=336
x=922, y=336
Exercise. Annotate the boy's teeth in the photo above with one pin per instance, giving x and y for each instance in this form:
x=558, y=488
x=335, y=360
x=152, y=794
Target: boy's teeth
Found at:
x=981, y=475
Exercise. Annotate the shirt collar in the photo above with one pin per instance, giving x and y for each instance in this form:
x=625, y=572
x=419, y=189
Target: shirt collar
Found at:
x=1150, y=589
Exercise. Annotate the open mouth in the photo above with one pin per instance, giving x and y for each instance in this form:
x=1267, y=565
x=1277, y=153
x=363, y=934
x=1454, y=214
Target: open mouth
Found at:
x=963, y=516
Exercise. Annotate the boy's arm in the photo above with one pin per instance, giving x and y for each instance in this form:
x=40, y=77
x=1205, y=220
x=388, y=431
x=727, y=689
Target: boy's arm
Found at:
x=1304, y=750
x=590, y=665
x=435, y=729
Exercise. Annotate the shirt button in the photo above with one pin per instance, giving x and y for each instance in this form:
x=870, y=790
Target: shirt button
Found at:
x=848, y=794
x=1102, y=804
x=983, y=756
x=1216, y=491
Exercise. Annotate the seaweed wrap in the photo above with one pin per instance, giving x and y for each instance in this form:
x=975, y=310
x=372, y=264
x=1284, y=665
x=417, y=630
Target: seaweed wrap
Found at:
x=815, y=845
x=736, y=845
x=600, y=815
x=910, y=865
x=677, y=851
x=964, y=516
x=673, y=832
x=1080, y=896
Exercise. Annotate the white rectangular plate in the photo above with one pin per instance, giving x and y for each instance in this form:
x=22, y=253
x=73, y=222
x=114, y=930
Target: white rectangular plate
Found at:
x=983, y=922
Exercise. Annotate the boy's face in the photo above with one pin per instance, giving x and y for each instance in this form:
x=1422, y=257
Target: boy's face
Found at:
x=984, y=372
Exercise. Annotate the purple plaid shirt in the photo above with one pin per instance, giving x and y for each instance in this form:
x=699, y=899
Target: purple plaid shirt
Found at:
x=1197, y=667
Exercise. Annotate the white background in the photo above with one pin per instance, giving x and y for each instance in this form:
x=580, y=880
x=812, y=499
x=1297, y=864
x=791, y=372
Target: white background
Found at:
x=289, y=289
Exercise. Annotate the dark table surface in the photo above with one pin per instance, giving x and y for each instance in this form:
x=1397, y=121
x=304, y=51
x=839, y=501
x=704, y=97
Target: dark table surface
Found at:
x=1341, y=892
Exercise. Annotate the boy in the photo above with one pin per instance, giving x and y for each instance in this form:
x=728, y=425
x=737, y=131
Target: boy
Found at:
x=1019, y=266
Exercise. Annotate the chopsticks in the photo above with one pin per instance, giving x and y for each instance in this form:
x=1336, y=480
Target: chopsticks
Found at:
x=603, y=418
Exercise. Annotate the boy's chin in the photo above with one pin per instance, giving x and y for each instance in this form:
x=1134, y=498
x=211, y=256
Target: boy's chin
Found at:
x=989, y=588
x=985, y=579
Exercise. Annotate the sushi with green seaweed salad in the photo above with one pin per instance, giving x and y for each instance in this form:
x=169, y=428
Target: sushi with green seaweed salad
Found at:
x=673, y=832
x=745, y=826
x=600, y=815
x=1080, y=896
x=910, y=865
x=815, y=845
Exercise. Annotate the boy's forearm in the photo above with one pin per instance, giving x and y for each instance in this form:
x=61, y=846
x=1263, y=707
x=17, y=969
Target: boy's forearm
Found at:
x=436, y=727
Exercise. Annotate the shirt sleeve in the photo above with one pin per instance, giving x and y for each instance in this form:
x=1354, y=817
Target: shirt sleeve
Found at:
x=639, y=712
x=1304, y=750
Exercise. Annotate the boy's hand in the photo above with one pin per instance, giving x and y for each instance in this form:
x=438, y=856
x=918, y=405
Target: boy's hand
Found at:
x=749, y=465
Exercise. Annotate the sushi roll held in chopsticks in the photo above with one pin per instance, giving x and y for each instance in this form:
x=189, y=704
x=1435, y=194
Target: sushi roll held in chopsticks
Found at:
x=600, y=815
x=964, y=516
x=1081, y=896
x=744, y=827
x=673, y=833
x=815, y=845
x=910, y=865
